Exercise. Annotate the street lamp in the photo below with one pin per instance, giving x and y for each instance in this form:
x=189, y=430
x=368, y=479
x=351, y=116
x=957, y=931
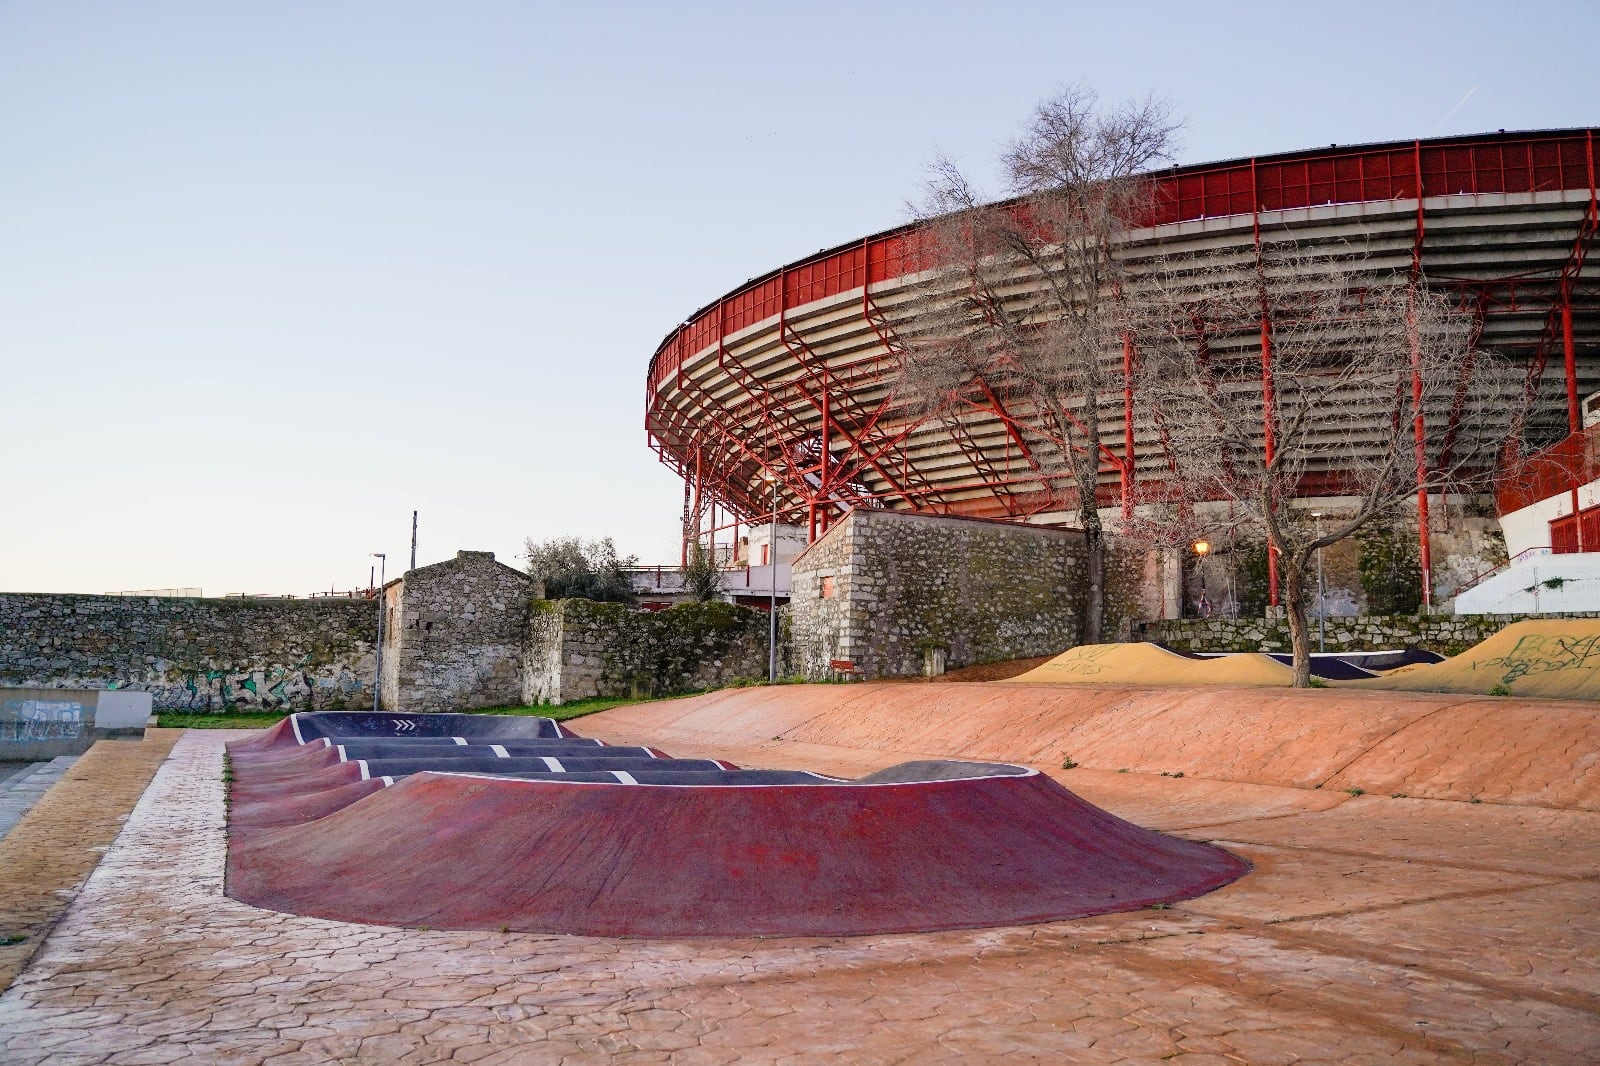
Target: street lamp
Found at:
x=1322, y=602
x=771, y=477
x=377, y=685
x=1202, y=548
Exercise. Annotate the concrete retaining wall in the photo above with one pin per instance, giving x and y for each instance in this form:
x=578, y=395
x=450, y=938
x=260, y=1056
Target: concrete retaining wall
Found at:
x=43, y=723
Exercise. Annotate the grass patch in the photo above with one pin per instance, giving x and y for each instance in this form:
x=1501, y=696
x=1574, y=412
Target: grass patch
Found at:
x=576, y=709
x=220, y=720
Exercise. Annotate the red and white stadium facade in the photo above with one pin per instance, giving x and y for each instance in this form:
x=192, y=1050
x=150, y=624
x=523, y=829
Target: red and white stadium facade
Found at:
x=793, y=371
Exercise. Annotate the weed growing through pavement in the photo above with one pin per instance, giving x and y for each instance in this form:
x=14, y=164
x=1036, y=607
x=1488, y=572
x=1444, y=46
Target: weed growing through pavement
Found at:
x=7, y=941
x=1068, y=764
x=1356, y=791
x=1500, y=690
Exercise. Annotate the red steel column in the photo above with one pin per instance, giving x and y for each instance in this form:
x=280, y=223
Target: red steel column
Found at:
x=1127, y=425
x=1574, y=419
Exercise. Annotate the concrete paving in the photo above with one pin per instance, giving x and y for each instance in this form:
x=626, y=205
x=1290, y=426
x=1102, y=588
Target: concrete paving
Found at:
x=1372, y=930
x=21, y=785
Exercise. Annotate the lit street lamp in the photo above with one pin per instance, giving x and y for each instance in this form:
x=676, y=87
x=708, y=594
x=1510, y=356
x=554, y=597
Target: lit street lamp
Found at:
x=1322, y=602
x=377, y=684
x=1201, y=549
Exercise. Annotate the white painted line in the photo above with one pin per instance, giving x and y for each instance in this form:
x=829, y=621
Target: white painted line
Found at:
x=387, y=780
x=554, y=765
x=843, y=782
x=327, y=742
x=294, y=723
x=559, y=731
x=460, y=740
x=724, y=765
x=499, y=752
x=342, y=756
x=365, y=775
x=625, y=777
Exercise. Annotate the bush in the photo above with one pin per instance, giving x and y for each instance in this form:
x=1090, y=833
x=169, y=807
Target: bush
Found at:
x=701, y=577
x=581, y=570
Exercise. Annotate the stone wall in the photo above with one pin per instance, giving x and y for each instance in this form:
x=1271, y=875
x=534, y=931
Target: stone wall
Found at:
x=896, y=593
x=1446, y=634
x=454, y=634
x=194, y=654
x=578, y=649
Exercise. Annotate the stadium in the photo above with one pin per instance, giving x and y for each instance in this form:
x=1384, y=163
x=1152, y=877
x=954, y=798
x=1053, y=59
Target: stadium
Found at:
x=793, y=372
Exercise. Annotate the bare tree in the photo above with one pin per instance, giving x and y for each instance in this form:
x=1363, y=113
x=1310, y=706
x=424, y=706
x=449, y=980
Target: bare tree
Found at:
x=1355, y=370
x=1020, y=311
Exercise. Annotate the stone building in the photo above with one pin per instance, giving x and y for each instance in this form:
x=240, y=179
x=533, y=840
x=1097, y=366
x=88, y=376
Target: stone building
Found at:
x=454, y=634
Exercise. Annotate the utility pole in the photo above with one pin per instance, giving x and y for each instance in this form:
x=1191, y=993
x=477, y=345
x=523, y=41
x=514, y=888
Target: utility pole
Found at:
x=413, y=540
x=377, y=684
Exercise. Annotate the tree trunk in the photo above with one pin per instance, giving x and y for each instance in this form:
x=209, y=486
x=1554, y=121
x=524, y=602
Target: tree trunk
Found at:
x=1094, y=545
x=1294, y=605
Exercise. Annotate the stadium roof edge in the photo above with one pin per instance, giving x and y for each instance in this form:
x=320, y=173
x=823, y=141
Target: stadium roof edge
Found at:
x=1174, y=170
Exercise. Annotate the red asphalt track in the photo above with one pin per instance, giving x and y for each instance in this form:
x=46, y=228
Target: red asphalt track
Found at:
x=457, y=851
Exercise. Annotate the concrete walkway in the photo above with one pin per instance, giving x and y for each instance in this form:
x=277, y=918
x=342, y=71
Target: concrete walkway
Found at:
x=1373, y=930
x=21, y=787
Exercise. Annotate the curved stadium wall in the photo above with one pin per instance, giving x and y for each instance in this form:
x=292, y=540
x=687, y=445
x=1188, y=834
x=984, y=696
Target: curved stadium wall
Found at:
x=794, y=370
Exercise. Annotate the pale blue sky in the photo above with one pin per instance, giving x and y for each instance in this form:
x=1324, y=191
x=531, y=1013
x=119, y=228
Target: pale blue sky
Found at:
x=273, y=274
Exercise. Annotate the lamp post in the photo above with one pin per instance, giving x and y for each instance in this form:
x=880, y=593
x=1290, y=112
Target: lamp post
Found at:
x=1322, y=600
x=772, y=578
x=1201, y=549
x=377, y=684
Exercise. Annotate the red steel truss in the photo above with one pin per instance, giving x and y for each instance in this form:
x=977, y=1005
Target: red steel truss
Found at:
x=795, y=372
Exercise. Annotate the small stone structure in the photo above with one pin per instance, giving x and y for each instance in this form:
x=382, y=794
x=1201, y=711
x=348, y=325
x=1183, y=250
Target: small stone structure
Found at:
x=194, y=654
x=578, y=649
x=1446, y=634
x=454, y=635
x=895, y=594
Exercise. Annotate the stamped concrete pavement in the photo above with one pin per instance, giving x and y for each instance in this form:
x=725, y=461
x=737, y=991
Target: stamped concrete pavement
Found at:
x=1372, y=931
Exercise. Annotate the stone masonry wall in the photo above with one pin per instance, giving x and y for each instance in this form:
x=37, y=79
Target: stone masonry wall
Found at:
x=454, y=635
x=1446, y=634
x=578, y=649
x=194, y=654
x=906, y=588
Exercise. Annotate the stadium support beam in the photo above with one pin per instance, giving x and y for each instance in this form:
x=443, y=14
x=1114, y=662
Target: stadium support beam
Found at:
x=1269, y=400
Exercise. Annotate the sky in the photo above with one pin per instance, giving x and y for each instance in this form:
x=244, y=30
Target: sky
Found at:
x=275, y=274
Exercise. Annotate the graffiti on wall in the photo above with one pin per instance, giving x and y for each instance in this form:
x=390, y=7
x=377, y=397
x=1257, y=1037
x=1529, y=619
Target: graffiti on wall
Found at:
x=28, y=720
x=1544, y=654
x=271, y=689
